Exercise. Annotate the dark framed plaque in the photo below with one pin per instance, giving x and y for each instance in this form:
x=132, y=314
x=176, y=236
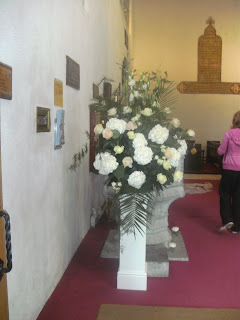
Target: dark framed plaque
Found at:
x=95, y=91
x=43, y=120
x=107, y=90
x=72, y=73
x=5, y=81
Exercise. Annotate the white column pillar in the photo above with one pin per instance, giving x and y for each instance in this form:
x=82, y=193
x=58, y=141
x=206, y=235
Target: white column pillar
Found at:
x=132, y=272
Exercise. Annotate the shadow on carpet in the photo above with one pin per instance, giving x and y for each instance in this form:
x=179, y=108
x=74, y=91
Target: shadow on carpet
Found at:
x=123, y=312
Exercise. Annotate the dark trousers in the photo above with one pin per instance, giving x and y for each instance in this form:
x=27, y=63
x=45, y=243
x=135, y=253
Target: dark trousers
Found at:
x=229, y=192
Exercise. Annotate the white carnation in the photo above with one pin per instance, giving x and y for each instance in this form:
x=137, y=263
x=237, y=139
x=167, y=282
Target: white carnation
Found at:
x=183, y=149
x=136, y=179
x=139, y=141
x=105, y=163
x=158, y=134
x=116, y=124
x=143, y=155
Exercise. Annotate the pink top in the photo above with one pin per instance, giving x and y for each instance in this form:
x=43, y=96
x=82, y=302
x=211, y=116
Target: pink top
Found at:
x=230, y=147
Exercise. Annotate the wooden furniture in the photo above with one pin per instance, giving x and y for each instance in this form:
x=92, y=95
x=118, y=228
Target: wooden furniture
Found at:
x=212, y=156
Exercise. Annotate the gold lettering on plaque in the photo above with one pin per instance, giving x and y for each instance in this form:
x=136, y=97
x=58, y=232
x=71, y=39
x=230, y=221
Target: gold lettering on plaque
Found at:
x=209, y=66
x=58, y=93
x=5, y=81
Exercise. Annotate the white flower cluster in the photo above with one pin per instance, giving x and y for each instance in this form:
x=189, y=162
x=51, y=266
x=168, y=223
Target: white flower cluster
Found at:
x=105, y=163
x=116, y=124
x=143, y=155
x=136, y=179
x=175, y=157
x=139, y=141
x=183, y=149
x=158, y=134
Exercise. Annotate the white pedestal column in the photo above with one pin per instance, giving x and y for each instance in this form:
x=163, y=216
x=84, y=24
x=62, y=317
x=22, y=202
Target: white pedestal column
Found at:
x=132, y=272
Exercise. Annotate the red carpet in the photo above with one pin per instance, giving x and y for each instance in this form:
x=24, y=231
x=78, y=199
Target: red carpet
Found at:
x=210, y=279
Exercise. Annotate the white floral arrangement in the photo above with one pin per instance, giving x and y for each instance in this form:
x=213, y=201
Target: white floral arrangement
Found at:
x=139, y=146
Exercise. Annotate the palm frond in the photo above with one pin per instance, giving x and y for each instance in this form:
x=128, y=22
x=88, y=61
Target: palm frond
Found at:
x=135, y=210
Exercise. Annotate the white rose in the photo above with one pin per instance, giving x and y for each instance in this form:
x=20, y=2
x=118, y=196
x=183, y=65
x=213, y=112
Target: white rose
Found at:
x=127, y=109
x=147, y=112
x=175, y=122
x=191, y=133
x=131, y=125
x=107, y=133
x=131, y=135
x=166, y=165
x=169, y=153
x=178, y=175
x=112, y=112
x=98, y=129
x=136, y=179
x=161, y=178
x=160, y=162
x=118, y=149
x=127, y=162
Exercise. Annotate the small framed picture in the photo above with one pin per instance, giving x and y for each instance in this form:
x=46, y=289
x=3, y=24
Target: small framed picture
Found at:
x=59, y=139
x=43, y=120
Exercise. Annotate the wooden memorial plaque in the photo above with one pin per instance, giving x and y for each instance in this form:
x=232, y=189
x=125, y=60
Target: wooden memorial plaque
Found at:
x=95, y=91
x=58, y=93
x=72, y=73
x=107, y=90
x=5, y=82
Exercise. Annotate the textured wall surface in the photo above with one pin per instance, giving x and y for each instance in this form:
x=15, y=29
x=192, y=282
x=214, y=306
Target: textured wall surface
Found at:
x=166, y=38
x=50, y=206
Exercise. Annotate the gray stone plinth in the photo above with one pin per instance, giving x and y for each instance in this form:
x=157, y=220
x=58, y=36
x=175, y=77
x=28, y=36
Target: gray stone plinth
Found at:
x=157, y=256
x=157, y=261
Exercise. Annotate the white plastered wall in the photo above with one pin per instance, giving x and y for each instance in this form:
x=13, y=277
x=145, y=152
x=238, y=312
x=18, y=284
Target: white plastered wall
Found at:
x=50, y=206
x=166, y=38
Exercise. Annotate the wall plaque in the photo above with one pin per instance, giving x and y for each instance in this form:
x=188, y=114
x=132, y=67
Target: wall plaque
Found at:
x=209, y=67
x=107, y=90
x=72, y=73
x=58, y=93
x=43, y=120
x=5, y=82
x=95, y=91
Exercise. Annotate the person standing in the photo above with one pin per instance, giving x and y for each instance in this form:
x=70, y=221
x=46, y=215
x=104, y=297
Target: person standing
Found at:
x=229, y=187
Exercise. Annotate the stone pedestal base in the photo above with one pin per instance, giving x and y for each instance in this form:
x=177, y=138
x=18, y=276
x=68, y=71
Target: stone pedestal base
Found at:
x=157, y=257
